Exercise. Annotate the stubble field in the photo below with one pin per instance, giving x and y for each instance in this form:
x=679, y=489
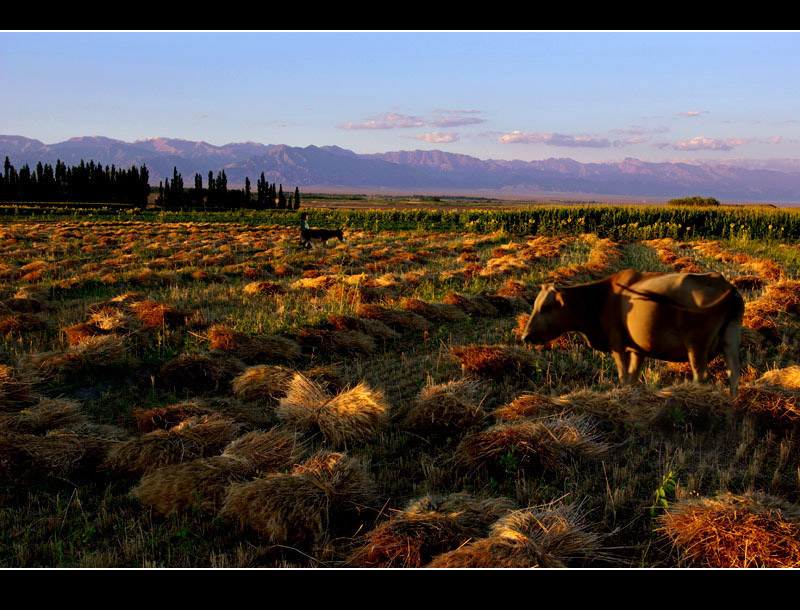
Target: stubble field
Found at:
x=195, y=394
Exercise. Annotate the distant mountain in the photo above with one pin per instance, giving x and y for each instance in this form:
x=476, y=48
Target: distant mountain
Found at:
x=418, y=171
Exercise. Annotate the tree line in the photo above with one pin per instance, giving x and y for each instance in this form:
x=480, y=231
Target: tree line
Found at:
x=173, y=195
x=94, y=183
x=86, y=182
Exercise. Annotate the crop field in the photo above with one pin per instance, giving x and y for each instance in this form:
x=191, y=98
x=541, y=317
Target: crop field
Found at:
x=200, y=393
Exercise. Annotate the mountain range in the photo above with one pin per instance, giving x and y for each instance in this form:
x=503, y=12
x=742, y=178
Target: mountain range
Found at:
x=421, y=171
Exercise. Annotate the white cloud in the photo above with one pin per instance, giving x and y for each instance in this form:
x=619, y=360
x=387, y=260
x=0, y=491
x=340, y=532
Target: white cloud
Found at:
x=434, y=137
x=390, y=120
x=554, y=139
x=701, y=143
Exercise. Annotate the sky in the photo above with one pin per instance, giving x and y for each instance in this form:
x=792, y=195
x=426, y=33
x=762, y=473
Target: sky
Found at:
x=589, y=96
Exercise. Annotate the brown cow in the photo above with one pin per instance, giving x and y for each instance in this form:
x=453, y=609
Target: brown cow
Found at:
x=637, y=314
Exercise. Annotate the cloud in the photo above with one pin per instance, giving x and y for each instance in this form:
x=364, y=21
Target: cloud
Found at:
x=201, y=116
x=692, y=113
x=701, y=143
x=455, y=118
x=434, y=137
x=440, y=118
x=554, y=139
x=455, y=121
x=390, y=120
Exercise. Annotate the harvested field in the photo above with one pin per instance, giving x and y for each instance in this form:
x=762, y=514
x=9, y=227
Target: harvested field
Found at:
x=196, y=394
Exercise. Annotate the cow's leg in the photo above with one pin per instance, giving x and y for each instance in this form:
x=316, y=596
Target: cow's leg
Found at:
x=731, y=341
x=635, y=367
x=699, y=363
x=622, y=359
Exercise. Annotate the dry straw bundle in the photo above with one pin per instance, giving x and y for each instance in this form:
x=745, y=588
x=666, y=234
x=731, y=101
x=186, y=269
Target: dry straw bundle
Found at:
x=252, y=347
x=193, y=438
x=200, y=371
x=262, y=383
x=354, y=414
x=435, y=312
x=450, y=406
x=158, y=315
x=427, y=527
x=47, y=414
x=27, y=457
x=338, y=341
x=640, y=406
x=394, y=318
x=497, y=361
x=787, y=378
x=373, y=328
x=201, y=483
x=474, y=305
x=20, y=322
x=526, y=405
x=549, y=537
x=775, y=407
x=263, y=288
x=92, y=353
x=516, y=288
x=540, y=446
x=78, y=333
x=298, y=507
x=15, y=390
x=734, y=531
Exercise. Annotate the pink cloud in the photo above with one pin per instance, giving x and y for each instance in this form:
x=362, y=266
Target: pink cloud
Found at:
x=554, y=139
x=434, y=137
x=390, y=120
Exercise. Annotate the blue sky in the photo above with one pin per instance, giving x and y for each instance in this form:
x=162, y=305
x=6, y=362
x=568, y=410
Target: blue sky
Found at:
x=591, y=96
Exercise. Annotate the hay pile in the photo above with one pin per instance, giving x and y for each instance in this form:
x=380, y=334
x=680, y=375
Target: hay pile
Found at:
x=774, y=406
x=497, y=361
x=201, y=484
x=324, y=492
x=427, y=527
x=262, y=383
x=100, y=352
x=78, y=333
x=640, y=406
x=15, y=391
x=446, y=407
x=25, y=458
x=263, y=288
x=734, y=531
x=515, y=288
x=351, y=415
x=153, y=314
x=435, y=312
x=193, y=438
x=548, y=537
x=787, y=378
x=474, y=305
x=20, y=322
x=200, y=372
x=338, y=341
x=526, y=405
x=538, y=446
x=252, y=347
x=373, y=328
x=397, y=319
x=47, y=414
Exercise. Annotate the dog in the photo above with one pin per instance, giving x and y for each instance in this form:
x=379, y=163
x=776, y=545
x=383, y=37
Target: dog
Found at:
x=320, y=235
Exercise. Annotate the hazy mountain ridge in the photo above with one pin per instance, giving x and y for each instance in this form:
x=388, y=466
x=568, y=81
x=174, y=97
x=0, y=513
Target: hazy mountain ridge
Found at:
x=418, y=171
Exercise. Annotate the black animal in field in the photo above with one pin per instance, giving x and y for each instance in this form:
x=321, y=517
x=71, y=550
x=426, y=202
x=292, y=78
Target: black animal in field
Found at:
x=319, y=235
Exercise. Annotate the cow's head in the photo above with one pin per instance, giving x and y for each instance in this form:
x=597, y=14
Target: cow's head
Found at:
x=550, y=317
